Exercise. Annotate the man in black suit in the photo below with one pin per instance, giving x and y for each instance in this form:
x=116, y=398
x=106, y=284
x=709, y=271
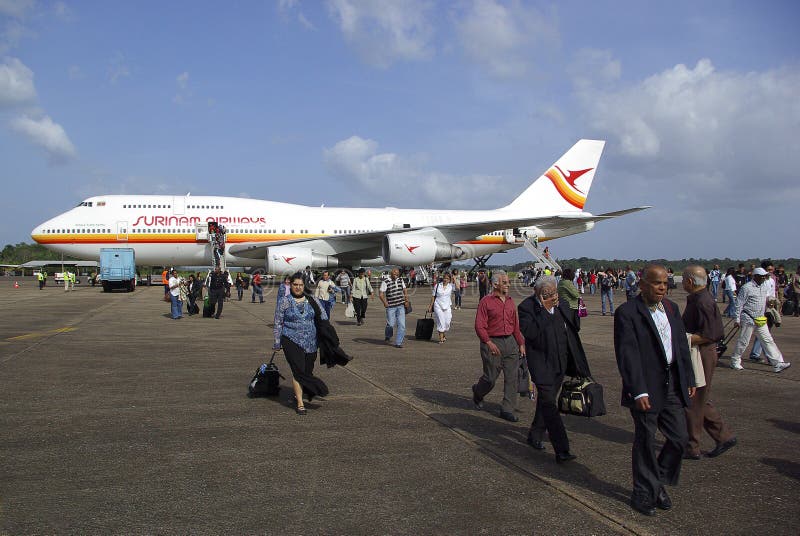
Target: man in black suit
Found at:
x=553, y=348
x=657, y=382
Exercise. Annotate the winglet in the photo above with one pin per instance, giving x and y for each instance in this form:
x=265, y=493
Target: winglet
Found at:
x=565, y=185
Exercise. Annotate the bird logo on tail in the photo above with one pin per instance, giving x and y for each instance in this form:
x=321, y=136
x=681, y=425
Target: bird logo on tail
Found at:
x=565, y=185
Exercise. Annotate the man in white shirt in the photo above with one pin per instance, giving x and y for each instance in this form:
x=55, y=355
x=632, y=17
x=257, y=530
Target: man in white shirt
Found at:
x=750, y=306
x=176, y=305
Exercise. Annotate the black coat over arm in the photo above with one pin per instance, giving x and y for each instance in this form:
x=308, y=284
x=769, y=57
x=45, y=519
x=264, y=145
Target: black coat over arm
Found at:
x=541, y=347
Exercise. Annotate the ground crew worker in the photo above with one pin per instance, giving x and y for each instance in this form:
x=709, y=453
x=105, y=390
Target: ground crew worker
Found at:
x=40, y=277
x=165, y=282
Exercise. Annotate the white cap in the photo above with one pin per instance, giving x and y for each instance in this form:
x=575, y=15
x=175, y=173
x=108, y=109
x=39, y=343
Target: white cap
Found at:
x=759, y=271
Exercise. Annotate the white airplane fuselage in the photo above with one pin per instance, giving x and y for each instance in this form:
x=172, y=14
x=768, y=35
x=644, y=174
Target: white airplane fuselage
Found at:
x=174, y=230
x=163, y=229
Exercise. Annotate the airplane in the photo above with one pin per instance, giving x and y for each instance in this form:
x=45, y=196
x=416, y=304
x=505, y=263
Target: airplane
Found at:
x=174, y=230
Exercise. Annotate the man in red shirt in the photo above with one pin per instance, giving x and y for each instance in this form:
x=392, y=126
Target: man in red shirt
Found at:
x=256, y=284
x=502, y=344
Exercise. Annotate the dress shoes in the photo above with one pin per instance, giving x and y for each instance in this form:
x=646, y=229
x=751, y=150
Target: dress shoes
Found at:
x=722, y=447
x=510, y=417
x=663, y=501
x=565, y=457
x=536, y=444
x=643, y=506
x=690, y=456
x=476, y=400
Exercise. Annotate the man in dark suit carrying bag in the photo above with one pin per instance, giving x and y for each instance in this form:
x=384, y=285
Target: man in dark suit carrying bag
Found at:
x=657, y=384
x=553, y=348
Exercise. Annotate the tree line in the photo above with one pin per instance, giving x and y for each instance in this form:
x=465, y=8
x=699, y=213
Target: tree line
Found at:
x=22, y=253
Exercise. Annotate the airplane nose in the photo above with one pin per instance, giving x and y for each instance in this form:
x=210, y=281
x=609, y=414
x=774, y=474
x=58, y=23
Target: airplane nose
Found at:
x=37, y=231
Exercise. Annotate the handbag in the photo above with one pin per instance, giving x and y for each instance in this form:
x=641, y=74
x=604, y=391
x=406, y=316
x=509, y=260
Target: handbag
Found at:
x=350, y=310
x=582, y=311
x=407, y=307
x=582, y=397
x=524, y=383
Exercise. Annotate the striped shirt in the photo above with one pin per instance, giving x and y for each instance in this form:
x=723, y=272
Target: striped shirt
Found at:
x=393, y=290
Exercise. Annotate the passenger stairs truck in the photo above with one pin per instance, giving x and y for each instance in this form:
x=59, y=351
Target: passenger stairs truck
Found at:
x=118, y=269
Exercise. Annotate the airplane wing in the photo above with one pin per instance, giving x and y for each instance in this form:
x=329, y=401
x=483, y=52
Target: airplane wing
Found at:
x=368, y=245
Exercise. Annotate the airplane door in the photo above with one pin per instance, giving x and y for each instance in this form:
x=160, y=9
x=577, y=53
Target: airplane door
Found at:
x=122, y=231
x=178, y=204
x=508, y=236
x=201, y=232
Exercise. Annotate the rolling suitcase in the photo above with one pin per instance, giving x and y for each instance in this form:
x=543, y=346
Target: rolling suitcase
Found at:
x=266, y=381
x=424, y=330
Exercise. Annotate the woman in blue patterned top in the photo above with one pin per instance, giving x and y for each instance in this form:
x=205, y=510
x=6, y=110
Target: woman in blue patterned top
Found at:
x=296, y=334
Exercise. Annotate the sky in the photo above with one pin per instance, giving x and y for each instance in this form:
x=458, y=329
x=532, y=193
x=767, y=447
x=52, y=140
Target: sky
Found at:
x=414, y=104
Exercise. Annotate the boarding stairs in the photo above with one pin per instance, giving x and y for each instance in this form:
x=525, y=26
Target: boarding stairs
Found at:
x=540, y=256
x=426, y=276
x=480, y=264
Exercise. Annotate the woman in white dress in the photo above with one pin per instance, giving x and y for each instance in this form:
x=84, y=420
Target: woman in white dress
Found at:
x=440, y=305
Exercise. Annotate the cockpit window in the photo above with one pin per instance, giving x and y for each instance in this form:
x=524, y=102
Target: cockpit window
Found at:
x=85, y=204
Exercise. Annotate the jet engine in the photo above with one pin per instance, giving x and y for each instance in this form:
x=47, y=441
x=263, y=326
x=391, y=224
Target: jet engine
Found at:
x=410, y=249
x=290, y=259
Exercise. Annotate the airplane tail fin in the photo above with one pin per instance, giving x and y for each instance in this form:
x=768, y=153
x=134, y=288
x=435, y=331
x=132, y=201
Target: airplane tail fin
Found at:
x=565, y=185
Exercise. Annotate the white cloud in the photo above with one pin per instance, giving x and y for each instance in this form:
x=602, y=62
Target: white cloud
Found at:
x=183, y=94
x=385, y=32
x=304, y=21
x=592, y=66
x=46, y=134
x=118, y=68
x=14, y=29
x=721, y=137
x=18, y=93
x=389, y=177
x=75, y=72
x=183, y=80
x=16, y=8
x=16, y=83
x=503, y=39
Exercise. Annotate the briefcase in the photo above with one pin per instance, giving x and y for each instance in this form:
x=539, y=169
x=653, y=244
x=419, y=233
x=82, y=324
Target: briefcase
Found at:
x=582, y=397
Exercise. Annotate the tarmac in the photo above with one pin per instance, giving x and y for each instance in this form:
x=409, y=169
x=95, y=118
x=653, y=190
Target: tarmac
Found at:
x=115, y=419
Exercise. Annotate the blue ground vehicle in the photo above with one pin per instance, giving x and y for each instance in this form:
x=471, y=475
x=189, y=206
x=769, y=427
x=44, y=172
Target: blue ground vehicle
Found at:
x=118, y=269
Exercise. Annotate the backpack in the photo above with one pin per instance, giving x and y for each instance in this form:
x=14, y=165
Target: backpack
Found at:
x=266, y=381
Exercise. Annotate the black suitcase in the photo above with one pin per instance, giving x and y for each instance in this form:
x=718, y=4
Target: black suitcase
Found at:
x=266, y=381
x=193, y=308
x=424, y=330
x=788, y=308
